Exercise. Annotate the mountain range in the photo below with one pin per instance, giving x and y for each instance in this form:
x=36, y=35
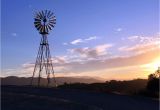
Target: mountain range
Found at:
x=13, y=80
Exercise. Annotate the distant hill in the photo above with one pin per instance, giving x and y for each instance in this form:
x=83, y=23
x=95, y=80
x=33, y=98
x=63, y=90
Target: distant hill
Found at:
x=13, y=80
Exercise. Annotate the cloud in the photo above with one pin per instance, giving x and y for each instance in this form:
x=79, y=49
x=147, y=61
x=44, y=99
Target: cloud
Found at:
x=65, y=43
x=144, y=39
x=21, y=72
x=14, y=34
x=114, y=62
x=60, y=59
x=139, y=48
x=78, y=41
x=91, y=38
x=133, y=38
x=108, y=67
x=97, y=61
x=143, y=44
x=108, y=63
x=119, y=29
x=102, y=48
x=92, y=52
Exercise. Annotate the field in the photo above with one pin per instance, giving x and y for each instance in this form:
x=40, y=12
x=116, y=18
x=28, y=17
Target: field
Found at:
x=34, y=98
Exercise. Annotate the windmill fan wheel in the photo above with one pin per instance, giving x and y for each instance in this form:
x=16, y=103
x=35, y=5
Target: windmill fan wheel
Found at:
x=44, y=21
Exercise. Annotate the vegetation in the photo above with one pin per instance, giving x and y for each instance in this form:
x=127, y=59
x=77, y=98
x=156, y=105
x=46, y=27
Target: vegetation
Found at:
x=113, y=86
x=152, y=88
x=153, y=81
x=143, y=87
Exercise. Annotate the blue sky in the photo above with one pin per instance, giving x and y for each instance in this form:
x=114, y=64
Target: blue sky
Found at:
x=105, y=22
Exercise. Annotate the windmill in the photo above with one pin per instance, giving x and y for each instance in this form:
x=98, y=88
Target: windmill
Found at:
x=44, y=22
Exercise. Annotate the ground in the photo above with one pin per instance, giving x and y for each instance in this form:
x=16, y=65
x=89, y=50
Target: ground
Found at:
x=34, y=98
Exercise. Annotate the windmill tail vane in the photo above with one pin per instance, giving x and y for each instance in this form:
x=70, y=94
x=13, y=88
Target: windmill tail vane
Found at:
x=44, y=22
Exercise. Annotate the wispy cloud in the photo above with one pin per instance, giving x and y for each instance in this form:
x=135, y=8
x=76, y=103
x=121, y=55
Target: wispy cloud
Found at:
x=65, y=43
x=91, y=38
x=141, y=39
x=97, y=61
x=78, y=68
x=119, y=29
x=142, y=45
x=71, y=65
x=92, y=52
x=79, y=40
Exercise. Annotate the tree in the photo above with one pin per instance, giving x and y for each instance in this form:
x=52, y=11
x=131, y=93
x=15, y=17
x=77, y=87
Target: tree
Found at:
x=153, y=81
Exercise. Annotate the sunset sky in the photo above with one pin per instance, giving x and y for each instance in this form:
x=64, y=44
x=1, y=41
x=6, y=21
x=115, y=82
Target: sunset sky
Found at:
x=107, y=39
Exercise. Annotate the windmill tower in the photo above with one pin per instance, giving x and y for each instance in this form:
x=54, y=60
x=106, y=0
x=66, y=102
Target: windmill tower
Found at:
x=44, y=22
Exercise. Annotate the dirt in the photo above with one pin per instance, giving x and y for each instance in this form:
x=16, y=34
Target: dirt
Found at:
x=34, y=98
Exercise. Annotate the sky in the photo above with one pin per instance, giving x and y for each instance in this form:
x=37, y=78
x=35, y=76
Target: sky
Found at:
x=105, y=39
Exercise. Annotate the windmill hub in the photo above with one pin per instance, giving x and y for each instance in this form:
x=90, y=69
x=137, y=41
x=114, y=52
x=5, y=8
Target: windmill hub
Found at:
x=44, y=20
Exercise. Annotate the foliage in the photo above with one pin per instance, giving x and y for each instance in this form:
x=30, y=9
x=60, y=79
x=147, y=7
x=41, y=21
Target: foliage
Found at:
x=113, y=86
x=153, y=81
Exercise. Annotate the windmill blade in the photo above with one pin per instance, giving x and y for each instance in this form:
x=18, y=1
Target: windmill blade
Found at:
x=43, y=14
x=48, y=13
x=40, y=14
x=38, y=27
x=52, y=20
x=52, y=17
x=49, y=27
x=46, y=29
x=37, y=16
x=41, y=28
x=38, y=20
x=51, y=24
x=55, y=18
x=37, y=23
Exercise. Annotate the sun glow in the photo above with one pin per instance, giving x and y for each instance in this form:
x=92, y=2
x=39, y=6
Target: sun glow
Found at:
x=153, y=66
